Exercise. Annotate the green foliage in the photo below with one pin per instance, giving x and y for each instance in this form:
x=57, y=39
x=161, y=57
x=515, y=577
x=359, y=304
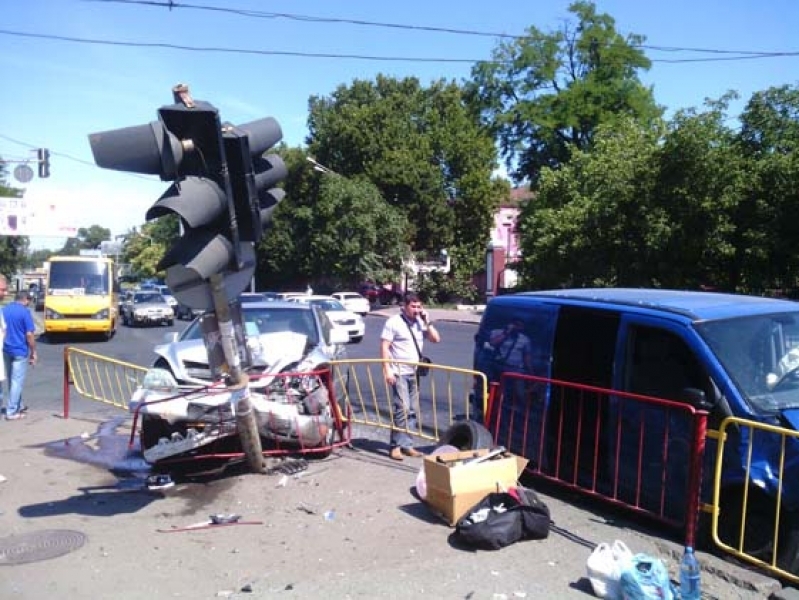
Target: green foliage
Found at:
x=594, y=221
x=693, y=205
x=547, y=93
x=87, y=239
x=330, y=229
x=427, y=154
x=144, y=249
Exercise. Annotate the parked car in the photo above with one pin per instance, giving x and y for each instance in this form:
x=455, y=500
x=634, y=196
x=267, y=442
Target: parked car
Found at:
x=385, y=294
x=247, y=297
x=167, y=294
x=287, y=295
x=147, y=308
x=349, y=321
x=732, y=355
x=353, y=302
x=370, y=291
x=183, y=312
x=279, y=334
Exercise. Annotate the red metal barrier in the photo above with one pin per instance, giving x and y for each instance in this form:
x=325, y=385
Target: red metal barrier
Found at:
x=636, y=452
x=288, y=435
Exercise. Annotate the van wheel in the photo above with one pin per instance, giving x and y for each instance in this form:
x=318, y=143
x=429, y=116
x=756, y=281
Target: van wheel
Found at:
x=758, y=540
x=467, y=435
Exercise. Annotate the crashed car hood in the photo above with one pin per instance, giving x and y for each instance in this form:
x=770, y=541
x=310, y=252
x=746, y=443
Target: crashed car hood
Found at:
x=272, y=350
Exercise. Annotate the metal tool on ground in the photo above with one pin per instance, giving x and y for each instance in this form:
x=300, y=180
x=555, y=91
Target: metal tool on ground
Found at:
x=477, y=458
x=214, y=521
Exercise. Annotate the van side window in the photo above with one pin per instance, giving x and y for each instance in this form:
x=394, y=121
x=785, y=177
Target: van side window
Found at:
x=585, y=344
x=660, y=364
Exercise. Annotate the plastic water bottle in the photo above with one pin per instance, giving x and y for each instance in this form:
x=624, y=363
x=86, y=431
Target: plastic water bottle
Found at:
x=690, y=586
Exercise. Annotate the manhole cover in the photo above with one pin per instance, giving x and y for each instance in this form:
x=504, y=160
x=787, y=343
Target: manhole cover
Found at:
x=39, y=545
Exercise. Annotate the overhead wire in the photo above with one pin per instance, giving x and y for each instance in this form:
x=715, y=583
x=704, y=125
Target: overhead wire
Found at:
x=369, y=57
x=171, y=4
x=59, y=154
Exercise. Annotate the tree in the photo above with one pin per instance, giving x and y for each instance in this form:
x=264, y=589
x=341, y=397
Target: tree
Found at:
x=425, y=151
x=331, y=229
x=142, y=250
x=769, y=139
x=594, y=221
x=701, y=189
x=87, y=239
x=545, y=94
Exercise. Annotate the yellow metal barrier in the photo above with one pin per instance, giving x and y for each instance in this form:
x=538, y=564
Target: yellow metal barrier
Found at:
x=364, y=397
x=100, y=378
x=757, y=534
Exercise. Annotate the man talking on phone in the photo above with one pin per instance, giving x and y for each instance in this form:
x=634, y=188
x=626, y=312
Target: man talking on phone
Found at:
x=402, y=340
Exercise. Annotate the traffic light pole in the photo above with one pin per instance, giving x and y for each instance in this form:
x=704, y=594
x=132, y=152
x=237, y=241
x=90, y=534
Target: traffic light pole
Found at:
x=224, y=190
x=238, y=381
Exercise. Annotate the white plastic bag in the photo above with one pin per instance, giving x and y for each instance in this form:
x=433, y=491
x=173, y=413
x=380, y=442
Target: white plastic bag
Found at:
x=604, y=567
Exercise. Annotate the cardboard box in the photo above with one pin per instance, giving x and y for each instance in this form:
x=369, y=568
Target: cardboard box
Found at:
x=454, y=486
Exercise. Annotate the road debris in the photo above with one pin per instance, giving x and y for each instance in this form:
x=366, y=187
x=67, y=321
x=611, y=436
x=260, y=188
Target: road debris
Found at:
x=214, y=521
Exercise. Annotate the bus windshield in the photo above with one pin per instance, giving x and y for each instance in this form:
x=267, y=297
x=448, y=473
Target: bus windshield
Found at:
x=79, y=278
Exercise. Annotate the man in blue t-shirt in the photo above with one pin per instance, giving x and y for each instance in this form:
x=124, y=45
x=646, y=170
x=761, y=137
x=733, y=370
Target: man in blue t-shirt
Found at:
x=19, y=351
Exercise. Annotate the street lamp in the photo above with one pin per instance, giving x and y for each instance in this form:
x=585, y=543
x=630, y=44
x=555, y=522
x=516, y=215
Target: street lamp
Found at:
x=320, y=167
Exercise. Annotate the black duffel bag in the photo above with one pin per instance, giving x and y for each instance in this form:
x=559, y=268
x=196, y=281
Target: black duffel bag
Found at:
x=500, y=520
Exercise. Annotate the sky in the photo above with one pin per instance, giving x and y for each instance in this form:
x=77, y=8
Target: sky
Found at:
x=57, y=90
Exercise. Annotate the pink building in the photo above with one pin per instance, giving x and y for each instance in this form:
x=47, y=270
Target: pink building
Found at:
x=504, y=245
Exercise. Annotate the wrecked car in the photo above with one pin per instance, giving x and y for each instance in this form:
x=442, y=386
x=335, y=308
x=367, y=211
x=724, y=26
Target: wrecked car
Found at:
x=183, y=415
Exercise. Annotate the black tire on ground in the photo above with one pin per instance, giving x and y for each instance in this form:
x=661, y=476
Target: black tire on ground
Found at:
x=467, y=435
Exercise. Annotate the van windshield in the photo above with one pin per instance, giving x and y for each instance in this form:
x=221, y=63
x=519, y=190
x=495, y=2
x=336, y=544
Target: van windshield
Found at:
x=761, y=356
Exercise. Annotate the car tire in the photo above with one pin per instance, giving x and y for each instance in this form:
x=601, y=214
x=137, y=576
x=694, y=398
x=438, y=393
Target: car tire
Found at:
x=467, y=435
x=357, y=339
x=153, y=429
x=170, y=322
x=758, y=541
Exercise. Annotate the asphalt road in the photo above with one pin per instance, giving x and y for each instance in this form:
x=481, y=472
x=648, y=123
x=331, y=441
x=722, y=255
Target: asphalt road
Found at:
x=554, y=569
x=43, y=387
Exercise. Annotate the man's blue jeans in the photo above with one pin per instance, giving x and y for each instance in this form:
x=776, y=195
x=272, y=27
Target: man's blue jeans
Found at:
x=16, y=368
x=405, y=398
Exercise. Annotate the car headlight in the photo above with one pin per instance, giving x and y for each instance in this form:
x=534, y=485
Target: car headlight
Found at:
x=51, y=314
x=159, y=379
x=102, y=314
x=140, y=312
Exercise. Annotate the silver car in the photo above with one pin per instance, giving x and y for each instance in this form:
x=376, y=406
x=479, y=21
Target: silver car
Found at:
x=280, y=336
x=293, y=408
x=147, y=308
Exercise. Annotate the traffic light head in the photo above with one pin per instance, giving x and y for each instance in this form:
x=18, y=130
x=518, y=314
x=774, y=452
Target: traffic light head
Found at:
x=254, y=175
x=44, y=163
x=220, y=194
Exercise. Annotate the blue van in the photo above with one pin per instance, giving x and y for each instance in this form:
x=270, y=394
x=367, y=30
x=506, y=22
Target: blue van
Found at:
x=732, y=355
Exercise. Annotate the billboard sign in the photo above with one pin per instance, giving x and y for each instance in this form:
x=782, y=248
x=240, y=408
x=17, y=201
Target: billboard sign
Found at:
x=40, y=218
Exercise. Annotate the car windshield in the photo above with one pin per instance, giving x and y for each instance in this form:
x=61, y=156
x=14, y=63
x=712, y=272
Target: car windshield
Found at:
x=268, y=320
x=326, y=304
x=761, y=355
x=154, y=298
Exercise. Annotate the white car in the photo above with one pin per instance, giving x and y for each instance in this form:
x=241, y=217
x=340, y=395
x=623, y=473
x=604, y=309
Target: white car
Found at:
x=278, y=334
x=353, y=302
x=349, y=321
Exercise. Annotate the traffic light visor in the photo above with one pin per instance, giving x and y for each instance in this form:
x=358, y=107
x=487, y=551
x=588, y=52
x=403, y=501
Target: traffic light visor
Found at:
x=149, y=149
